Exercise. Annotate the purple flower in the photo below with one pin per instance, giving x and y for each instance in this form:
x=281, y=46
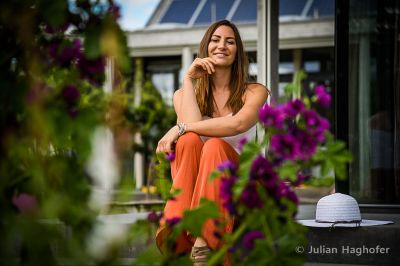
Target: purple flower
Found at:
x=71, y=94
x=263, y=170
x=307, y=143
x=250, y=196
x=226, y=186
x=25, y=203
x=284, y=191
x=316, y=124
x=250, y=237
x=171, y=222
x=301, y=177
x=241, y=143
x=285, y=146
x=228, y=165
x=153, y=217
x=65, y=53
x=92, y=69
x=323, y=126
x=170, y=156
x=323, y=97
x=293, y=108
x=271, y=116
x=311, y=118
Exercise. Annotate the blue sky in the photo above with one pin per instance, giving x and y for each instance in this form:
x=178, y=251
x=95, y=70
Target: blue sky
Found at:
x=135, y=13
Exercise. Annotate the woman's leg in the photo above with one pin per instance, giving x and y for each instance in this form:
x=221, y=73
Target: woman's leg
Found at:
x=184, y=170
x=215, y=151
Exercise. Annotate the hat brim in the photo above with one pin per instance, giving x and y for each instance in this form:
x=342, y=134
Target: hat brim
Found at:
x=313, y=223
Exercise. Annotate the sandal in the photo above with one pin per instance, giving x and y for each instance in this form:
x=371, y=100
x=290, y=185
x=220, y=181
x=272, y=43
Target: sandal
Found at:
x=201, y=252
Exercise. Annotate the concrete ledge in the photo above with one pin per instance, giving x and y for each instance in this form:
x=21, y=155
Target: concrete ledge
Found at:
x=373, y=245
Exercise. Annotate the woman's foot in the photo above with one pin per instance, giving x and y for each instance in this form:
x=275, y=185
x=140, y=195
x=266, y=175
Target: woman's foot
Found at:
x=200, y=252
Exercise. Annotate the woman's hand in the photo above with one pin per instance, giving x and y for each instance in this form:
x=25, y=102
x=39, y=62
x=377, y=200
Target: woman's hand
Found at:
x=201, y=67
x=166, y=143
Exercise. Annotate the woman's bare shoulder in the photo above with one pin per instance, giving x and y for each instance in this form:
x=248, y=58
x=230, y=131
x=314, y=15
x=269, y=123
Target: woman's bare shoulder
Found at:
x=257, y=90
x=178, y=93
x=255, y=86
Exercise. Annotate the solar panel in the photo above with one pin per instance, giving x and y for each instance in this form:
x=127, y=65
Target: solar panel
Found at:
x=246, y=11
x=291, y=7
x=322, y=8
x=180, y=11
x=214, y=10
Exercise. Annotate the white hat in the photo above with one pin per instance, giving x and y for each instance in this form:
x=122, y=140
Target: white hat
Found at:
x=339, y=210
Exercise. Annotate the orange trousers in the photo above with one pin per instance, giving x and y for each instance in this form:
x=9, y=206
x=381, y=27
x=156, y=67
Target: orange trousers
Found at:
x=194, y=162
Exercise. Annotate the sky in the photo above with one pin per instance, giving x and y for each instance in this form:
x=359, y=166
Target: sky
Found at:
x=135, y=13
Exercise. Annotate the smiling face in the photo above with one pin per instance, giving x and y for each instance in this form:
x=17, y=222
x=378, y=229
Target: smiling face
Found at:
x=222, y=46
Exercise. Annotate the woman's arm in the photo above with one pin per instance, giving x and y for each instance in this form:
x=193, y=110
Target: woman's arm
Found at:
x=255, y=97
x=186, y=100
x=185, y=97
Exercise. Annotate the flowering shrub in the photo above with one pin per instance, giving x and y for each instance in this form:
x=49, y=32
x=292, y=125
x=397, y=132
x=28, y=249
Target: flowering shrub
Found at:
x=52, y=69
x=258, y=191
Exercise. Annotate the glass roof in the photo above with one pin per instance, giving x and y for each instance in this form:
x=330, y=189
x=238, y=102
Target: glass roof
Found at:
x=200, y=12
x=180, y=11
x=246, y=12
x=214, y=10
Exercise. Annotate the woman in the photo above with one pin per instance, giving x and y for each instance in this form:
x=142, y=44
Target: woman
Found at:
x=216, y=100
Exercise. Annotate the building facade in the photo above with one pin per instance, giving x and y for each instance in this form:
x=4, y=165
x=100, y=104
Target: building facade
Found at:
x=170, y=40
x=350, y=46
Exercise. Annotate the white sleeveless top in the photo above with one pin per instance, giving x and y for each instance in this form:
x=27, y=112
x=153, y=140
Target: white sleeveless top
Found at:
x=234, y=140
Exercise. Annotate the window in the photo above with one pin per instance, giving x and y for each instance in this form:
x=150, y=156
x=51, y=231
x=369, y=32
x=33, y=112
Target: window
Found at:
x=368, y=102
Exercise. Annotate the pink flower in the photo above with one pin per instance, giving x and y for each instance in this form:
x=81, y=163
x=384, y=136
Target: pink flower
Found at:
x=241, y=143
x=25, y=203
x=170, y=156
x=271, y=116
x=294, y=107
x=323, y=97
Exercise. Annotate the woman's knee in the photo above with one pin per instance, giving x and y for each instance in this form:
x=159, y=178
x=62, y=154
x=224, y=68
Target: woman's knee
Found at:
x=189, y=138
x=213, y=145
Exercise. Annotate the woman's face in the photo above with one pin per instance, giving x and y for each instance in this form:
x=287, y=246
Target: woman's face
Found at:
x=222, y=46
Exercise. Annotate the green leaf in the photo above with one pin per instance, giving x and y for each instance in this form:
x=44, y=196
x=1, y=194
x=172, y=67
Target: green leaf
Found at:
x=194, y=219
x=151, y=256
x=214, y=175
x=250, y=151
x=92, y=42
x=289, y=170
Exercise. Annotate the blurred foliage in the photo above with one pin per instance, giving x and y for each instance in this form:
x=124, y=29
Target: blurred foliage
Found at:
x=52, y=69
x=153, y=116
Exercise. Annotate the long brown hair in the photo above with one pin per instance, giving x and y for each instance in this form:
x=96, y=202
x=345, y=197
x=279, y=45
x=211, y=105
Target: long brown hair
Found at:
x=239, y=74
